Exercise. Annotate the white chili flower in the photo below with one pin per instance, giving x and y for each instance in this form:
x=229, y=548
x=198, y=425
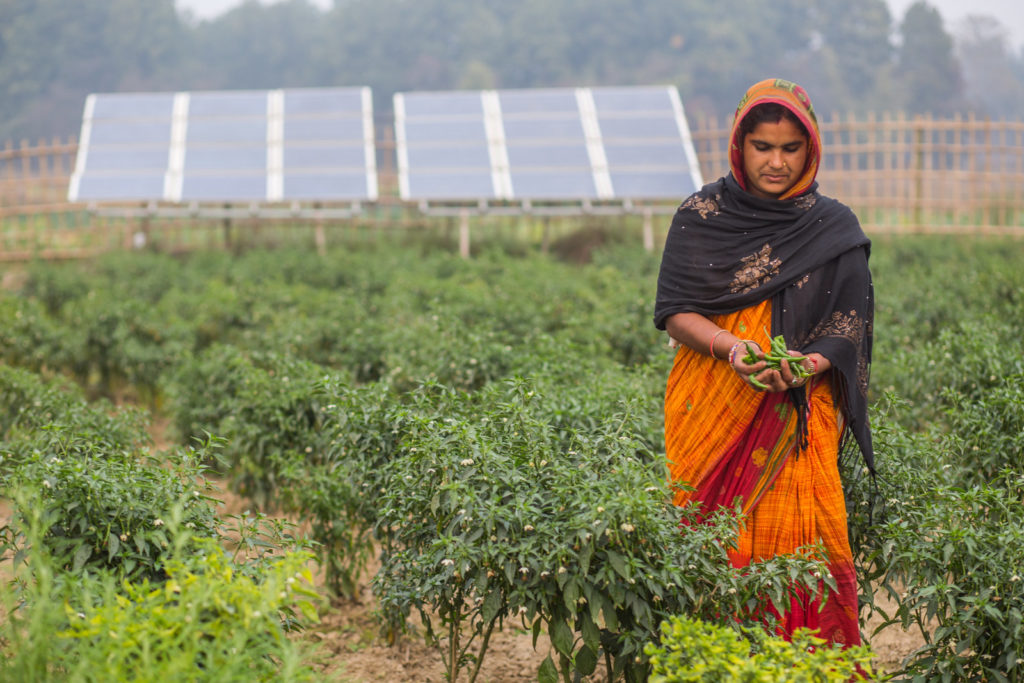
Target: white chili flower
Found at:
x=562, y=570
x=123, y=537
x=158, y=522
x=628, y=528
x=466, y=462
x=447, y=562
x=528, y=527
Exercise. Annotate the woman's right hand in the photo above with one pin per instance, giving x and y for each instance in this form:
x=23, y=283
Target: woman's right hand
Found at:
x=754, y=374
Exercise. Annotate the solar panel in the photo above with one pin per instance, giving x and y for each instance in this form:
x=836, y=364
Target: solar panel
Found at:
x=549, y=144
x=313, y=144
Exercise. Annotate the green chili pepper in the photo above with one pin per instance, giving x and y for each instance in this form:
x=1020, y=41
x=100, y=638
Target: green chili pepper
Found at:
x=777, y=352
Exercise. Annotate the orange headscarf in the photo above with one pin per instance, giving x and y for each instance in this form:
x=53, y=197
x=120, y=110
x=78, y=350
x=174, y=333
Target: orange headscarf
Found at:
x=795, y=99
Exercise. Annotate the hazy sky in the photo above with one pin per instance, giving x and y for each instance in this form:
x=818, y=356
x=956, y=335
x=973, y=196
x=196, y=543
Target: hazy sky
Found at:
x=1009, y=12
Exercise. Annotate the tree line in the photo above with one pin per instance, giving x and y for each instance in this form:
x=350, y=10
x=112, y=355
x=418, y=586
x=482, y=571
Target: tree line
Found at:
x=850, y=56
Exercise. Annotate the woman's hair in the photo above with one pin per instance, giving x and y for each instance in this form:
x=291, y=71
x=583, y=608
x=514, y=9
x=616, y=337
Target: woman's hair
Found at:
x=768, y=112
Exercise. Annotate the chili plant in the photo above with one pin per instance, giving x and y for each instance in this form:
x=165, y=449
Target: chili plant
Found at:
x=489, y=516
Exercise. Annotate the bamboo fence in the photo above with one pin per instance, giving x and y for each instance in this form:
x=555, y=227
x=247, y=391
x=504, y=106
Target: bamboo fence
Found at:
x=898, y=173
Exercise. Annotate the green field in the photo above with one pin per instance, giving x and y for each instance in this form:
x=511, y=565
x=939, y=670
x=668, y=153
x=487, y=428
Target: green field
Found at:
x=487, y=430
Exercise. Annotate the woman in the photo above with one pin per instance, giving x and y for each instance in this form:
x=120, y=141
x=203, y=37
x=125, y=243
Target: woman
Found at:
x=753, y=255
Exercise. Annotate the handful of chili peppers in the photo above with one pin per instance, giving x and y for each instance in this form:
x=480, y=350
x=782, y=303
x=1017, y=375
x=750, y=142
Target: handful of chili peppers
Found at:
x=777, y=353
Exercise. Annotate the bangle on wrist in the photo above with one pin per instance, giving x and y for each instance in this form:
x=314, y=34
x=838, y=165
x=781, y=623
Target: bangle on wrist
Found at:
x=711, y=346
x=814, y=365
x=736, y=346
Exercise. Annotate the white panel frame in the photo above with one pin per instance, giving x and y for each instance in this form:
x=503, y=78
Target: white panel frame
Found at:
x=369, y=145
x=595, y=143
x=401, y=146
x=275, y=145
x=687, y=138
x=497, y=145
x=174, y=178
x=83, y=148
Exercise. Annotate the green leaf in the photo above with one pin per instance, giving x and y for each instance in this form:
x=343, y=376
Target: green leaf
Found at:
x=618, y=564
x=586, y=661
x=547, y=673
x=591, y=633
x=113, y=544
x=309, y=610
x=561, y=637
x=81, y=556
x=491, y=606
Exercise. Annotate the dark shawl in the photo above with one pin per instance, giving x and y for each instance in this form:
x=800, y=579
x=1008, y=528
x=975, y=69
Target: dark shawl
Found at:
x=727, y=250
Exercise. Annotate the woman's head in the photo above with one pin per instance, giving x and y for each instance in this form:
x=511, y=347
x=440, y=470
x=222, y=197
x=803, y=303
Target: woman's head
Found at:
x=775, y=144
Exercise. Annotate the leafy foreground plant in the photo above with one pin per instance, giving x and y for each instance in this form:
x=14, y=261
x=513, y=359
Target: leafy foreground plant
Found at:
x=486, y=516
x=208, y=621
x=693, y=650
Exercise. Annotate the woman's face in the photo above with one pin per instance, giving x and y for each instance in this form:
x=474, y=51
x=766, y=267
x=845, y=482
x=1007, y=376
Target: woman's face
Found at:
x=774, y=155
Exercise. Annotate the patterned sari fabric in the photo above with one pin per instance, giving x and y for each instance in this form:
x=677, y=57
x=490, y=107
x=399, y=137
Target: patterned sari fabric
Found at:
x=796, y=265
x=789, y=501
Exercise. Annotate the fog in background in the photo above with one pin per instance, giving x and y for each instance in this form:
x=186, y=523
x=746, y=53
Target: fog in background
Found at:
x=926, y=57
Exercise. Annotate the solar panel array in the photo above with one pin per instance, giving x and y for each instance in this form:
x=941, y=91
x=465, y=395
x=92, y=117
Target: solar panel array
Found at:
x=559, y=144
x=317, y=144
x=243, y=146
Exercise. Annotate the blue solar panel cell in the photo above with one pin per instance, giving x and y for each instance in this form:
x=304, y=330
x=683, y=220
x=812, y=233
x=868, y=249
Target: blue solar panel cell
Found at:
x=322, y=156
x=437, y=131
x=227, y=131
x=225, y=158
x=233, y=104
x=470, y=186
x=300, y=102
x=112, y=132
x=134, y=106
x=667, y=154
x=218, y=187
x=553, y=184
x=120, y=186
x=443, y=105
x=562, y=128
x=633, y=127
x=631, y=99
x=123, y=158
x=325, y=128
x=653, y=185
x=551, y=155
x=464, y=156
x=538, y=102
x=325, y=185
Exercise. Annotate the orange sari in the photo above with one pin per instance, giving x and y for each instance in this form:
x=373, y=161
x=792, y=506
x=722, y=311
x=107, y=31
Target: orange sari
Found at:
x=726, y=441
